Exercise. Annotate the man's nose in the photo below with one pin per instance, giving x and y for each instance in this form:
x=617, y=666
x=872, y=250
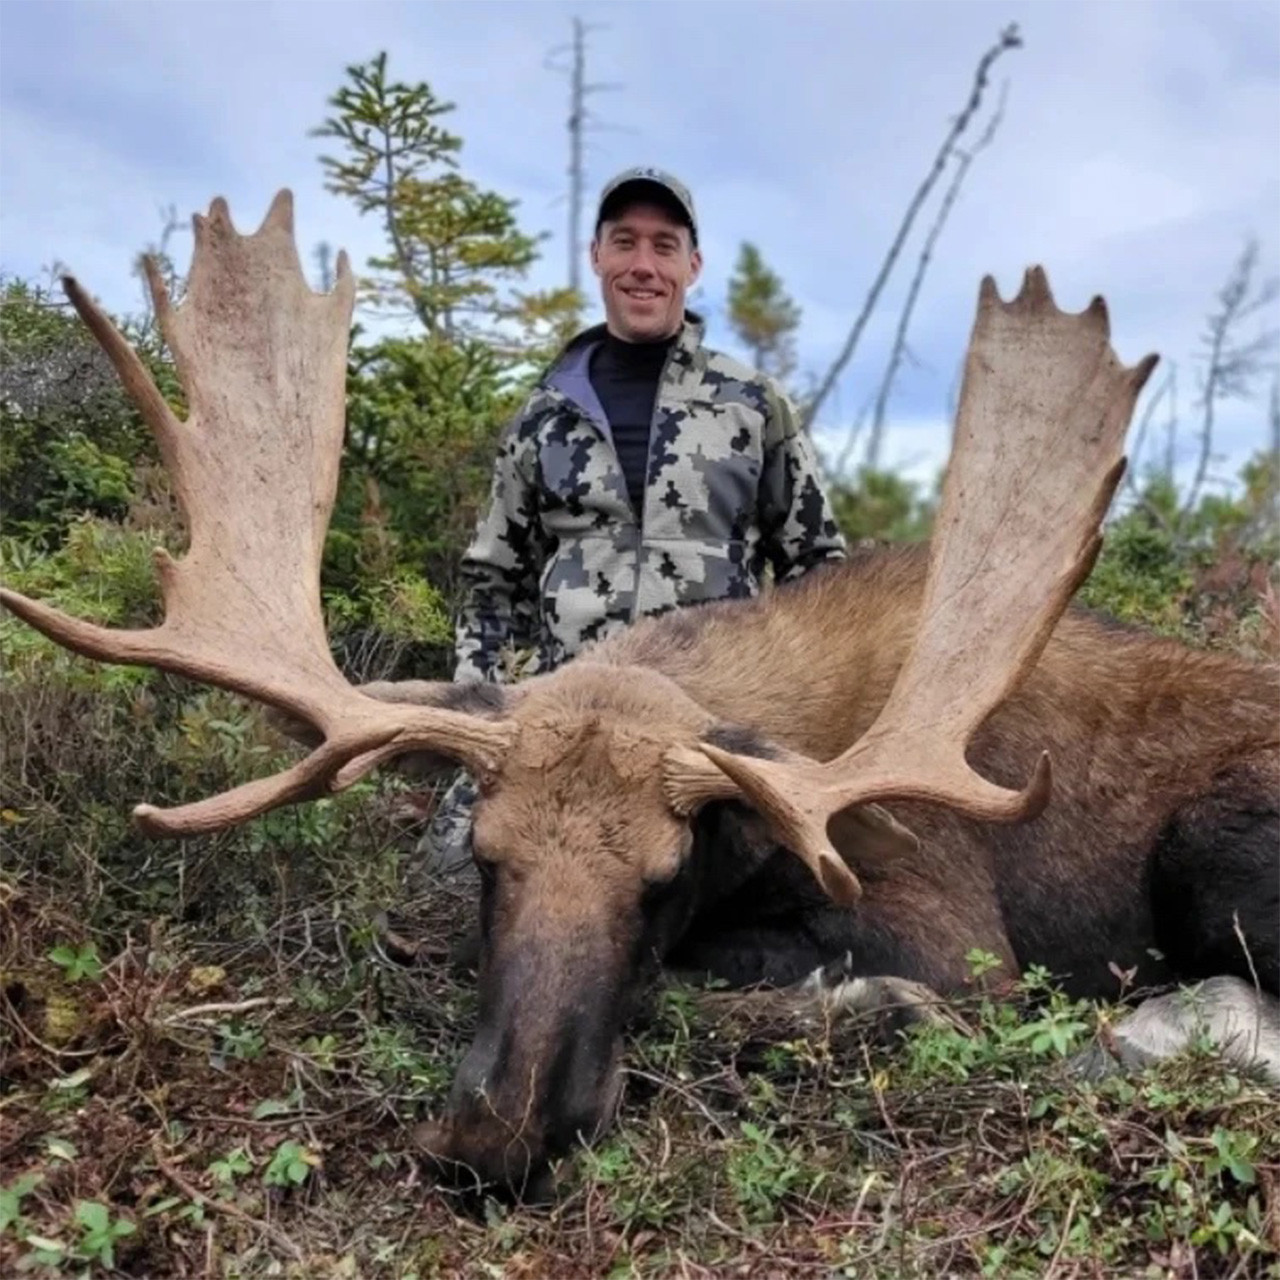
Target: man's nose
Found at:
x=642, y=262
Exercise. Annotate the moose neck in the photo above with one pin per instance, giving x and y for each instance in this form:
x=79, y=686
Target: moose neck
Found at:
x=782, y=661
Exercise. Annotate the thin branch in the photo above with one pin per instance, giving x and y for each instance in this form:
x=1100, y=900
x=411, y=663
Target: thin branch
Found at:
x=1171, y=425
x=965, y=159
x=194, y=1194
x=1135, y=453
x=1231, y=366
x=222, y=1007
x=1009, y=39
x=855, y=434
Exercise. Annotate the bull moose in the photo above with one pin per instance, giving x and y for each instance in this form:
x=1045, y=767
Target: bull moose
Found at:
x=841, y=786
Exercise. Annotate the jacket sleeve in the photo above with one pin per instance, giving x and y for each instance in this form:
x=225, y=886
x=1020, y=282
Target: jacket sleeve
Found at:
x=501, y=568
x=796, y=519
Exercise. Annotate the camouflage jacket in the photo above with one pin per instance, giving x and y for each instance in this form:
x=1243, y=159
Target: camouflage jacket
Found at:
x=561, y=558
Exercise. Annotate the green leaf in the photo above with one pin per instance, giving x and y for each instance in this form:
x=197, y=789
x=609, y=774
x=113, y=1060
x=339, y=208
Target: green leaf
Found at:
x=272, y=1107
x=91, y=1214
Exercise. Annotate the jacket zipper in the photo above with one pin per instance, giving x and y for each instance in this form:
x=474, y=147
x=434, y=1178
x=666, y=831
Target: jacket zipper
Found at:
x=648, y=457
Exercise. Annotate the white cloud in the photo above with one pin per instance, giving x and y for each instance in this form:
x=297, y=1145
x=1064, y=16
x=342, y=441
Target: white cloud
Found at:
x=1137, y=151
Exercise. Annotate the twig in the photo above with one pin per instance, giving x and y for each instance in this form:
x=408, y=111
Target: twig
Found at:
x=222, y=1206
x=667, y=1083
x=1231, y=366
x=1062, y=1240
x=965, y=159
x=1135, y=453
x=1009, y=39
x=223, y=1006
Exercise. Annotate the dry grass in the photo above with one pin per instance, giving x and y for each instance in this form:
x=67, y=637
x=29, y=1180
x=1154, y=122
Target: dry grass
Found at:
x=168, y=1086
x=210, y=1066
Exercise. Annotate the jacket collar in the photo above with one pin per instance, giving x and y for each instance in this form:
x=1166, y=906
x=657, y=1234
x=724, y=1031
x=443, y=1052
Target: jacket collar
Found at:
x=569, y=368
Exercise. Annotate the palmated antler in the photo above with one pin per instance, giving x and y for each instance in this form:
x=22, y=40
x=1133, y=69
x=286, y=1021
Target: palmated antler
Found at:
x=1036, y=457
x=263, y=361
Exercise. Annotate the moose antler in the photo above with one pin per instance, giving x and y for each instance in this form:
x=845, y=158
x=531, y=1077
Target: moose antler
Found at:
x=262, y=359
x=1036, y=458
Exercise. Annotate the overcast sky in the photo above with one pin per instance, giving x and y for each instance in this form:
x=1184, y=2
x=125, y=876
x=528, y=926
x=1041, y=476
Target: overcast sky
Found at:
x=1139, y=150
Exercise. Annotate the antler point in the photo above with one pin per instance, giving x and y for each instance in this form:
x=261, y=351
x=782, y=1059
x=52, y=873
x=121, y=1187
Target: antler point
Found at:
x=280, y=212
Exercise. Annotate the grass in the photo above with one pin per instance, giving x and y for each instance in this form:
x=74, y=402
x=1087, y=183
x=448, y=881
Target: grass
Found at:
x=211, y=1066
x=184, y=1106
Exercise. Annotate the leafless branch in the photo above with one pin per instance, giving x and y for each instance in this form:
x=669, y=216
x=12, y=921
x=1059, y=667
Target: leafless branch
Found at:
x=852, y=438
x=1009, y=39
x=1139, y=438
x=1272, y=504
x=1171, y=423
x=158, y=251
x=1232, y=365
x=963, y=160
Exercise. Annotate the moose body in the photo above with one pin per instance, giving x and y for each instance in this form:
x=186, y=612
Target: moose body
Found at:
x=883, y=766
x=1166, y=784
x=1159, y=853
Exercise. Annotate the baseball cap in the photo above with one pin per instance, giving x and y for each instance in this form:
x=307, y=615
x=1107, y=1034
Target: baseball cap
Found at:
x=631, y=182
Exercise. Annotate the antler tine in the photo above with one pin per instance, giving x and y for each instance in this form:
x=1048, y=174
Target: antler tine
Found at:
x=134, y=375
x=1036, y=457
x=262, y=359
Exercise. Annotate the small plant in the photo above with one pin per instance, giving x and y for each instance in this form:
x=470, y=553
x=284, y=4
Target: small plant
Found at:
x=245, y=1044
x=290, y=1166
x=11, y=1198
x=99, y=1232
x=762, y=1172
x=235, y=1164
x=77, y=963
x=981, y=962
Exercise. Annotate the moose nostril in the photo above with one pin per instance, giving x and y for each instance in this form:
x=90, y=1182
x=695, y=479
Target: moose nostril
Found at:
x=479, y=1158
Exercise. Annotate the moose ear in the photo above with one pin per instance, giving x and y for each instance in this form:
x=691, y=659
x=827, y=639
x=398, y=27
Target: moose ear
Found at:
x=692, y=778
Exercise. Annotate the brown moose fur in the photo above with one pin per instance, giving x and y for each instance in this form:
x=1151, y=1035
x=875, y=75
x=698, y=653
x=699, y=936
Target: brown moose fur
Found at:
x=574, y=830
x=1136, y=726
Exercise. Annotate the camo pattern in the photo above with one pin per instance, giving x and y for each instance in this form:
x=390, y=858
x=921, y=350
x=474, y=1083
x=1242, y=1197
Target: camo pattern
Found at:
x=561, y=558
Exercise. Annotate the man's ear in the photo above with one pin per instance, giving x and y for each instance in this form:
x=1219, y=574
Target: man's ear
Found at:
x=595, y=254
x=695, y=266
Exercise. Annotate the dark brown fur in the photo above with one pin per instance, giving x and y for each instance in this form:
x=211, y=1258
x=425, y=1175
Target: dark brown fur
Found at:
x=592, y=879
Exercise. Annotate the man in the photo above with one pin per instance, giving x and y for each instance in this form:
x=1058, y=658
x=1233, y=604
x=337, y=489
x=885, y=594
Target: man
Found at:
x=644, y=472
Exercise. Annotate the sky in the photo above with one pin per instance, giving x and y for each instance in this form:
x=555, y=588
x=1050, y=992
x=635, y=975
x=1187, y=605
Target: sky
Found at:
x=1138, y=152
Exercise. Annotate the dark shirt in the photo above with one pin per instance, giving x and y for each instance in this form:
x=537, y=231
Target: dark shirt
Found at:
x=625, y=377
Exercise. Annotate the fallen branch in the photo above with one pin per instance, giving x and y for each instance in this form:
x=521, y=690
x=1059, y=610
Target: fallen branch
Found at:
x=223, y=1007
x=274, y=1234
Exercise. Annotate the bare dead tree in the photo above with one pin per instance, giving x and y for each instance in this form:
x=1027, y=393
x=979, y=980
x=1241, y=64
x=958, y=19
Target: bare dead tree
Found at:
x=853, y=436
x=1163, y=392
x=1009, y=39
x=158, y=251
x=1271, y=506
x=580, y=122
x=964, y=159
x=1232, y=364
x=1171, y=424
x=323, y=255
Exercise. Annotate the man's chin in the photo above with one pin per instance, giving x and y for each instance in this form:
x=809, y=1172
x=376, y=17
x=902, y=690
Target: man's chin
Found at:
x=646, y=329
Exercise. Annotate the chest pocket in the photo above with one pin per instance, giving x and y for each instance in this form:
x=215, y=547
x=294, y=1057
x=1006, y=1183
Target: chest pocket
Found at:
x=705, y=472
x=582, y=489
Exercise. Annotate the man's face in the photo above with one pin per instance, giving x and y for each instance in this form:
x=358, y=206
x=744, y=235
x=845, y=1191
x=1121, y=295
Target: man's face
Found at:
x=646, y=263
